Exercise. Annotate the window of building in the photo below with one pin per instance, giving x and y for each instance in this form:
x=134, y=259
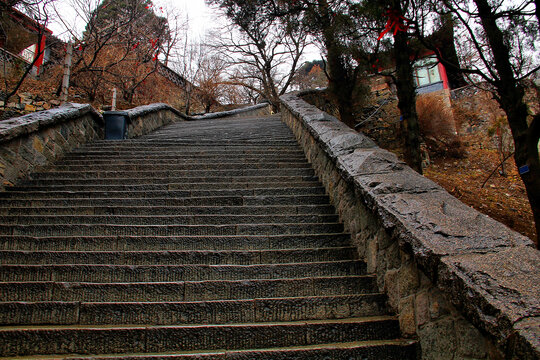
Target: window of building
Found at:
x=427, y=71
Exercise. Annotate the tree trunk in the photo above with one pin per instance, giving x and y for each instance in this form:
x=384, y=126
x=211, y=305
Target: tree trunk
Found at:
x=406, y=92
x=511, y=98
x=340, y=83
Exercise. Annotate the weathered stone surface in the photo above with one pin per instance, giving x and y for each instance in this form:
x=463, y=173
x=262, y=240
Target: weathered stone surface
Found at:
x=496, y=290
x=405, y=180
x=27, y=124
x=436, y=229
x=436, y=224
x=255, y=110
x=152, y=108
x=368, y=161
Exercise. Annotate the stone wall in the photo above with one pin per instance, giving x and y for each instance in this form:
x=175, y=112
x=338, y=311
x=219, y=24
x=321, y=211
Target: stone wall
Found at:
x=28, y=103
x=147, y=118
x=32, y=142
x=249, y=111
x=465, y=285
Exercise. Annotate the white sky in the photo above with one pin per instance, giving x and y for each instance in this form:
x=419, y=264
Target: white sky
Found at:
x=201, y=19
x=200, y=16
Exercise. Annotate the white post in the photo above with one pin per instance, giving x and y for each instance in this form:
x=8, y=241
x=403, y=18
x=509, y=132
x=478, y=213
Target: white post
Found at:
x=67, y=69
x=113, y=106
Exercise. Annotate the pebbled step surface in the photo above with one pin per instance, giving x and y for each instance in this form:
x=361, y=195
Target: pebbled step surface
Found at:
x=203, y=240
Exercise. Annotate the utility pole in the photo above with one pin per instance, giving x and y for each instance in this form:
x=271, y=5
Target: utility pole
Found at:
x=67, y=70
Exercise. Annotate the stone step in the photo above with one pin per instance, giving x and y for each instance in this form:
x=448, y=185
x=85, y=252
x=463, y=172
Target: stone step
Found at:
x=156, y=146
x=180, y=159
x=92, y=339
x=166, y=186
x=167, y=139
x=168, y=180
x=173, y=273
x=170, y=230
x=155, y=243
x=318, y=190
x=171, y=210
x=199, y=312
x=172, y=173
x=171, y=201
x=194, y=165
x=154, y=220
x=182, y=153
x=186, y=290
x=171, y=257
x=363, y=350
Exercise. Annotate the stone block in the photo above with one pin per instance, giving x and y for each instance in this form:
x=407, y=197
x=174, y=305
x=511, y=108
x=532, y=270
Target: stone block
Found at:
x=368, y=161
x=438, y=340
x=405, y=180
x=435, y=224
x=470, y=342
x=422, y=308
x=497, y=291
x=391, y=287
x=407, y=317
x=408, y=279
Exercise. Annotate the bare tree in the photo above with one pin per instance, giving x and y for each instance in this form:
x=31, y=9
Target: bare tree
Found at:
x=260, y=50
x=498, y=43
x=38, y=12
x=120, y=46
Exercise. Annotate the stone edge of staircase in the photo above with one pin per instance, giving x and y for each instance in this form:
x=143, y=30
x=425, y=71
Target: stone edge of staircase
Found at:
x=33, y=142
x=443, y=251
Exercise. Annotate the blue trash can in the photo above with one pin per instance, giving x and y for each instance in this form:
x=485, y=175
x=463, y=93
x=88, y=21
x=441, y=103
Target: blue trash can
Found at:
x=116, y=125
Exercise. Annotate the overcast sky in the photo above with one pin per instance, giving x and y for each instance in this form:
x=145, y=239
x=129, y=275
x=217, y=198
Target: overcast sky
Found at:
x=201, y=18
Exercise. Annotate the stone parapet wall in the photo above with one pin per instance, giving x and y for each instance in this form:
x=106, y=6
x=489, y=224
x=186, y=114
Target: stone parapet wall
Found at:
x=465, y=285
x=32, y=142
x=249, y=111
x=147, y=118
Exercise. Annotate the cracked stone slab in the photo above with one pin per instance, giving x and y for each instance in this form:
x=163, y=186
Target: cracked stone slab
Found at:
x=367, y=161
x=405, y=180
x=435, y=224
x=500, y=292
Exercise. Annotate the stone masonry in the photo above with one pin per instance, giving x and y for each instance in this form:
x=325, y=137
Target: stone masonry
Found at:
x=465, y=285
x=207, y=239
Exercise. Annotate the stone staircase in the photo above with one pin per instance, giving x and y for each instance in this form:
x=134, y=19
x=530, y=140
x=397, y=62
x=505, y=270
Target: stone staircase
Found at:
x=203, y=240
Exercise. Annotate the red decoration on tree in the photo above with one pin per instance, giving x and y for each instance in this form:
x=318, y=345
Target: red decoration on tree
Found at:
x=155, y=56
x=395, y=21
x=135, y=45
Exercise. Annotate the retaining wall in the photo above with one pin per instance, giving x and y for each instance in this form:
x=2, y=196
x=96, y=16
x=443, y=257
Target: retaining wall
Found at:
x=249, y=111
x=32, y=142
x=465, y=285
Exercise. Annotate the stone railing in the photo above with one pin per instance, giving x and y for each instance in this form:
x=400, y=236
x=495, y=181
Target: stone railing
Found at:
x=465, y=285
x=249, y=111
x=144, y=119
x=33, y=142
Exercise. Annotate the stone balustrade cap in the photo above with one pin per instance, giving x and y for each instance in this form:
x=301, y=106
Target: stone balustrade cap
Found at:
x=26, y=124
x=473, y=258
